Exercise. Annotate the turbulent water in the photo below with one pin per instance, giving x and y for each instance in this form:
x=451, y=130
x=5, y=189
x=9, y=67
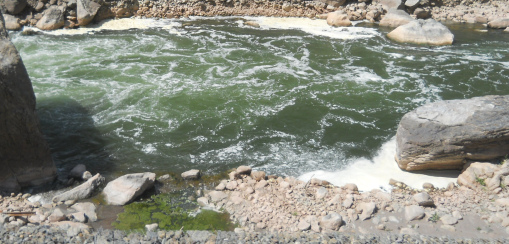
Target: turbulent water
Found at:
x=291, y=97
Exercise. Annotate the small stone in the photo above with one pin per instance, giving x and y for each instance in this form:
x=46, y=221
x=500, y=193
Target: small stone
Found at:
x=423, y=199
x=152, y=227
x=233, y=175
x=449, y=220
x=220, y=187
x=321, y=192
x=414, y=212
x=428, y=185
x=303, y=226
x=193, y=174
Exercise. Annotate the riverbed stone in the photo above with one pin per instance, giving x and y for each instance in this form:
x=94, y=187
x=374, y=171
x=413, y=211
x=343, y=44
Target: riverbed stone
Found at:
x=193, y=174
x=423, y=32
x=444, y=134
x=25, y=156
x=414, y=212
x=87, y=208
x=338, y=19
x=395, y=18
x=499, y=23
x=126, y=188
x=86, y=11
x=423, y=199
x=82, y=191
x=14, y=6
x=53, y=18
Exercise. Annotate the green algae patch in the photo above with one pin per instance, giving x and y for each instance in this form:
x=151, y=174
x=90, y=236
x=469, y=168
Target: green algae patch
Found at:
x=171, y=212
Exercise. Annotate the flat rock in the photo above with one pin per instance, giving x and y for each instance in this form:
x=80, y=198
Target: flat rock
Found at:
x=216, y=196
x=203, y=201
x=321, y=192
x=152, y=227
x=66, y=225
x=193, y=174
x=395, y=18
x=338, y=19
x=82, y=191
x=414, y=212
x=423, y=199
x=412, y=3
x=87, y=208
x=423, y=32
x=444, y=134
x=499, y=23
x=126, y=188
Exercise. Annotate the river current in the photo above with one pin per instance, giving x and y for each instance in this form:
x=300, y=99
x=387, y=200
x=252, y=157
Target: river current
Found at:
x=293, y=97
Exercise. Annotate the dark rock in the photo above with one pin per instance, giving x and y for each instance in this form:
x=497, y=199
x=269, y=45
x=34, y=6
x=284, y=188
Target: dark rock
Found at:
x=423, y=32
x=87, y=9
x=444, y=134
x=14, y=6
x=25, y=158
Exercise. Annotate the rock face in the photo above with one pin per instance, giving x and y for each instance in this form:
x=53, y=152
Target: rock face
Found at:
x=126, y=188
x=338, y=19
x=25, y=158
x=14, y=6
x=53, y=18
x=423, y=32
x=86, y=11
x=395, y=18
x=442, y=135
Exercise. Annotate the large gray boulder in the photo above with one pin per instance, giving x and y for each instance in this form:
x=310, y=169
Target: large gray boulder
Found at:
x=86, y=11
x=53, y=18
x=395, y=18
x=444, y=134
x=499, y=23
x=126, y=188
x=423, y=32
x=14, y=6
x=25, y=158
x=82, y=191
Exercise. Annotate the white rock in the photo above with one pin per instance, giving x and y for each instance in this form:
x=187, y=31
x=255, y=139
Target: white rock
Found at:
x=304, y=225
x=414, y=212
x=126, y=188
x=321, y=192
x=423, y=32
x=193, y=174
x=152, y=227
x=216, y=196
x=504, y=202
x=203, y=201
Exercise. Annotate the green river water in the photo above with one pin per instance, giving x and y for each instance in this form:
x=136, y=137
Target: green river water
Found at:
x=214, y=94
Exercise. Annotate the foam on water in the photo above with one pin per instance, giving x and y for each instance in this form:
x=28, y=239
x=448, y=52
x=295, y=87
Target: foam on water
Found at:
x=315, y=27
x=376, y=173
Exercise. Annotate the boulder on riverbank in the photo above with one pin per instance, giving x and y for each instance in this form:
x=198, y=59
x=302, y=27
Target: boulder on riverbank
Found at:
x=52, y=19
x=82, y=191
x=499, y=23
x=338, y=19
x=444, y=134
x=126, y=188
x=423, y=32
x=25, y=157
x=86, y=11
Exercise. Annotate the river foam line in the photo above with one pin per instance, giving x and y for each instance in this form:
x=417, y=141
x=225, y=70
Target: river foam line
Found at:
x=376, y=173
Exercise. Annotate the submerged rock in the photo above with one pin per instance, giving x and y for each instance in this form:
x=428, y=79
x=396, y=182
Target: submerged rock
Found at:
x=423, y=32
x=25, y=156
x=126, y=188
x=442, y=135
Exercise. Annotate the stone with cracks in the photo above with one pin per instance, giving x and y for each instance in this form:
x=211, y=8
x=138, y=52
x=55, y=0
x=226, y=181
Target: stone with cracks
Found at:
x=86, y=11
x=25, y=156
x=126, y=188
x=82, y=191
x=331, y=221
x=53, y=18
x=423, y=32
x=443, y=135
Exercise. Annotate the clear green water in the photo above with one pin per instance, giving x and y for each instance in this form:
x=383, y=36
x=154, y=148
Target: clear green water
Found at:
x=218, y=94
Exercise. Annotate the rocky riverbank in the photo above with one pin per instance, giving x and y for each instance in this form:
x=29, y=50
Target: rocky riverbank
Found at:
x=56, y=14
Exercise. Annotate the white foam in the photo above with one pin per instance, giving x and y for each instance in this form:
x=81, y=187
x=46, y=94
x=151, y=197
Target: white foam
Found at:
x=375, y=174
x=115, y=24
x=315, y=27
